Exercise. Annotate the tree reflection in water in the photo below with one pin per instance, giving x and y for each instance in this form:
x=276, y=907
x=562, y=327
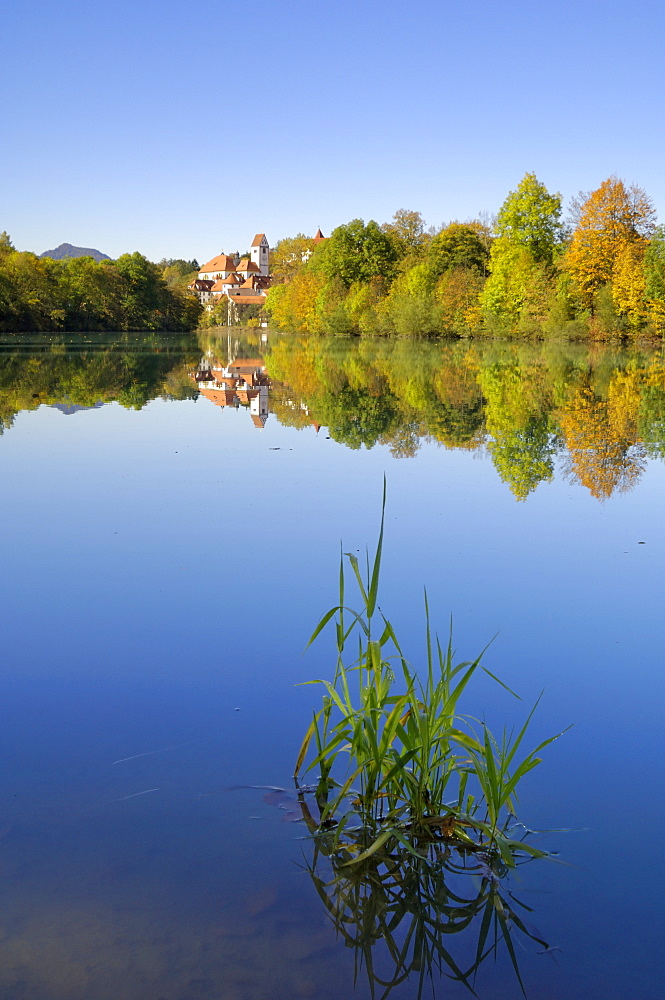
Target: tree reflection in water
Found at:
x=596, y=412
x=599, y=409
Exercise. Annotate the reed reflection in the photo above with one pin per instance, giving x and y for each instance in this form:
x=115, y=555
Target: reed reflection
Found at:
x=440, y=911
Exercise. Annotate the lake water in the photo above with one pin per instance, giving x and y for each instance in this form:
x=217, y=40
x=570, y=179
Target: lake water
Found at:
x=167, y=547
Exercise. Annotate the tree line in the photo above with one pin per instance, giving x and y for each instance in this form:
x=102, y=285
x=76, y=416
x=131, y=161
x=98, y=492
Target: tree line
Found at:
x=79, y=293
x=600, y=272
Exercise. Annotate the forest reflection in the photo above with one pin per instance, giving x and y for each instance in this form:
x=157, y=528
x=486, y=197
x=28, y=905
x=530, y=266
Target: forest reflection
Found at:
x=79, y=371
x=594, y=412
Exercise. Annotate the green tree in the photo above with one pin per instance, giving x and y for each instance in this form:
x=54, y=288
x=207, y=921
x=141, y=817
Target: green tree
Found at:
x=517, y=289
x=654, y=265
x=521, y=442
x=6, y=245
x=356, y=252
x=143, y=291
x=407, y=230
x=522, y=278
x=654, y=277
x=410, y=308
x=531, y=217
x=459, y=245
x=91, y=294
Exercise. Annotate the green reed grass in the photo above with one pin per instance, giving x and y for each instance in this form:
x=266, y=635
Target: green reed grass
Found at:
x=396, y=759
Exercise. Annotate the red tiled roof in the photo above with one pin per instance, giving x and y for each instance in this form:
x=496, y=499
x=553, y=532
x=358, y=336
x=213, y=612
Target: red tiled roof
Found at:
x=256, y=242
x=232, y=279
x=220, y=397
x=247, y=300
x=253, y=281
x=319, y=236
x=247, y=265
x=249, y=367
x=220, y=263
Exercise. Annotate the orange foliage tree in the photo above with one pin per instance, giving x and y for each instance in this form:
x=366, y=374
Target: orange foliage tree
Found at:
x=613, y=227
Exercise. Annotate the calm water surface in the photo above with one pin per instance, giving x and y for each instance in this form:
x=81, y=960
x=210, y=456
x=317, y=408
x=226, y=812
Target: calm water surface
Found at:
x=168, y=544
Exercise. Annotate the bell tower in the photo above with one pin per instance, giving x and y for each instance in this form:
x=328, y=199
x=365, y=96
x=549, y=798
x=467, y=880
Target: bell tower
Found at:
x=261, y=253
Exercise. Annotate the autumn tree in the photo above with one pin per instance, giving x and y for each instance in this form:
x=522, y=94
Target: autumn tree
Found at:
x=289, y=256
x=292, y=306
x=604, y=454
x=178, y=273
x=456, y=295
x=612, y=228
x=628, y=282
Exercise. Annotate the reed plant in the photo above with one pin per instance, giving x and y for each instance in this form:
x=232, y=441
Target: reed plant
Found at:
x=395, y=759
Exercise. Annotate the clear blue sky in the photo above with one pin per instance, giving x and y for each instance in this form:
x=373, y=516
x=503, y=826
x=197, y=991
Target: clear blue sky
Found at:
x=182, y=131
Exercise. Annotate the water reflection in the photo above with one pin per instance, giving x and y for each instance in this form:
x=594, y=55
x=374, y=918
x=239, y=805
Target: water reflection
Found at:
x=77, y=371
x=400, y=914
x=170, y=894
x=597, y=413
x=239, y=381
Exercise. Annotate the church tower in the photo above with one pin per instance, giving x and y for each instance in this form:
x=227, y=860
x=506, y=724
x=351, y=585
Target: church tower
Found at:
x=261, y=253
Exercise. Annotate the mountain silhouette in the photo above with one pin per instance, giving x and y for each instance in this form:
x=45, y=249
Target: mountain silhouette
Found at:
x=67, y=250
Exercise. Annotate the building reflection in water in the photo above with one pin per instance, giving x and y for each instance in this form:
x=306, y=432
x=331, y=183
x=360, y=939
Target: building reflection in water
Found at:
x=240, y=382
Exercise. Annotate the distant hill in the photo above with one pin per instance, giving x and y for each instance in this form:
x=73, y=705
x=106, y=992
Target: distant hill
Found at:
x=67, y=250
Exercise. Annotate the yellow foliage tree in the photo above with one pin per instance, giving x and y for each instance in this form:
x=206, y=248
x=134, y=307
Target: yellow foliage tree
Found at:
x=629, y=282
x=609, y=221
x=293, y=306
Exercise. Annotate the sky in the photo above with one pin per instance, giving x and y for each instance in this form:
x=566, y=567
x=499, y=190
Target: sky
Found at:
x=182, y=131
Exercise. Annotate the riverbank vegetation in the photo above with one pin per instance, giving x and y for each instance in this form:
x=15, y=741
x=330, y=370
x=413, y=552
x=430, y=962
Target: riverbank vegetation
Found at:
x=79, y=293
x=531, y=273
